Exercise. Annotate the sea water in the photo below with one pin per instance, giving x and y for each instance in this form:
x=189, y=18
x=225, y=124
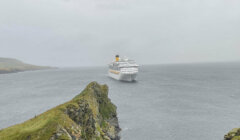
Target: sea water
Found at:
x=177, y=102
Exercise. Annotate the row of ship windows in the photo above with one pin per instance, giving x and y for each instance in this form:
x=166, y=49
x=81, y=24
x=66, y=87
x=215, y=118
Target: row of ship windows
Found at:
x=114, y=68
x=124, y=69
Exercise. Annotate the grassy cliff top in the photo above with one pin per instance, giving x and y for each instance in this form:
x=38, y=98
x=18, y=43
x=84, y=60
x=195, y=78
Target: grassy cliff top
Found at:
x=90, y=115
x=8, y=65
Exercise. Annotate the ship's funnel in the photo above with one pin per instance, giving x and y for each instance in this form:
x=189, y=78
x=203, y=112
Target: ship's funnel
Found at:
x=117, y=58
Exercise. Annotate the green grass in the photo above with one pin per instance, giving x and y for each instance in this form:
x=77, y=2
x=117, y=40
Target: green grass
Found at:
x=47, y=124
x=234, y=134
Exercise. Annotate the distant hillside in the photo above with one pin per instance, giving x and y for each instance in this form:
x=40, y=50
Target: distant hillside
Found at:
x=9, y=65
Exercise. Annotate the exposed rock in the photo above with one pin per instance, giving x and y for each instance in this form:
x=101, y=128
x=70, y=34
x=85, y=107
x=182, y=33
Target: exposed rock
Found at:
x=233, y=134
x=88, y=116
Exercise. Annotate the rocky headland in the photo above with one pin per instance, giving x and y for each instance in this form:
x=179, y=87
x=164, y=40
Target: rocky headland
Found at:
x=10, y=65
x=234, y=134
x=88, y=116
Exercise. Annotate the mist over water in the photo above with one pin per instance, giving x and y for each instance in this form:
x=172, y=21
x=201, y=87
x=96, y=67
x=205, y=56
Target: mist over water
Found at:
x=91, y=32
x=173, y=101
x=191, y=101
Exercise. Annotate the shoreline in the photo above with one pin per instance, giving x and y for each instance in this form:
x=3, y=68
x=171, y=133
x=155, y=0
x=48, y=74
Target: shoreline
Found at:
x=17, y=71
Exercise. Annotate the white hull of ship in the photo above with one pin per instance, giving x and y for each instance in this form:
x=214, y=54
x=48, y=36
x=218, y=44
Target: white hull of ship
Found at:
x=123, y=76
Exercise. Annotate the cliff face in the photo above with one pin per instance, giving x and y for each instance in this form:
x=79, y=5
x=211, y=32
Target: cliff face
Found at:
x=9, y=65
x=233, y=134
x=88, y=116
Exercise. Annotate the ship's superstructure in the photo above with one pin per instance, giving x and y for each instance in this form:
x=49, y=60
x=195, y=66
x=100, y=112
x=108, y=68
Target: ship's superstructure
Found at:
x=123, y=69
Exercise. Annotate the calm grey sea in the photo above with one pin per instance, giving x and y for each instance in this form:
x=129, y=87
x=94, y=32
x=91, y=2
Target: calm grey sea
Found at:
x=177, y=102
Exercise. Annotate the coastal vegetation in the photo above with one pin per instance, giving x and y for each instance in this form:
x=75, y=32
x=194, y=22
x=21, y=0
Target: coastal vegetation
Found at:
x=10, y=65
x=89, y=115
x=234, y=134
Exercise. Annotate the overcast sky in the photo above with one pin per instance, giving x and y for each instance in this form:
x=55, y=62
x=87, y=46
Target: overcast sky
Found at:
x=91, y=32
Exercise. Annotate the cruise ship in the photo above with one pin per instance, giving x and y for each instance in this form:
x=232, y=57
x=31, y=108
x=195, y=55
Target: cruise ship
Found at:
x=123, y=69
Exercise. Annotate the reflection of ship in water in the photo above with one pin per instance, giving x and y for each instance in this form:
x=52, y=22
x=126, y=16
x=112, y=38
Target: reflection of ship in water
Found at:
x=123, y=69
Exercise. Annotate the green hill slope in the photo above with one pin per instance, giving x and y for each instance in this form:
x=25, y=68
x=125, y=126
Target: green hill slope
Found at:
x=88, y=116
x=9, y=65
